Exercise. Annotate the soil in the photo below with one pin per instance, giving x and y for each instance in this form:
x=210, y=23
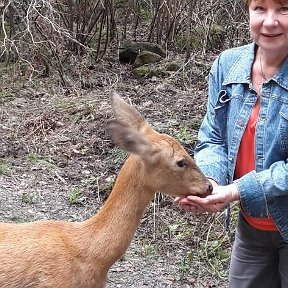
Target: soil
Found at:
x=57, y=161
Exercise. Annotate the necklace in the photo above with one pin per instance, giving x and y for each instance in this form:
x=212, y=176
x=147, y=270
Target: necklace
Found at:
x=261, y=68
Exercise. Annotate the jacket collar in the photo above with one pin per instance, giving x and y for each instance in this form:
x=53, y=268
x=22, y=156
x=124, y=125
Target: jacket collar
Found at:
x=282, y=76
x=241, y=69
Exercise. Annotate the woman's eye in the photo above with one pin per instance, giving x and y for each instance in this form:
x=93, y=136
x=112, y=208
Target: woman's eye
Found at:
x=284, y=10
x=258, y=8
x=181, y=163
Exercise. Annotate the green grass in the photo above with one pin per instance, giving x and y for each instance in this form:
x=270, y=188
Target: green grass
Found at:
x=5, y=168
x=212, y=250
x=74, y=195
x=26, y=198
x=44, y=161
x=149, y=249
x=34, y=157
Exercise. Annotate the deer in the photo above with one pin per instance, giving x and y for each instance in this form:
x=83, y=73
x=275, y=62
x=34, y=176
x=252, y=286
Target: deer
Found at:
x=63, y=254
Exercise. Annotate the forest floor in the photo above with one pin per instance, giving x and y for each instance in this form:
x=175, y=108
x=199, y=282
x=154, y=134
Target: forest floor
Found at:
x=57, y=161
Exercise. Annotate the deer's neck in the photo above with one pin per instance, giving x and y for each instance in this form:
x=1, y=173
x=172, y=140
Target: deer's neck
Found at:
x=113, y=227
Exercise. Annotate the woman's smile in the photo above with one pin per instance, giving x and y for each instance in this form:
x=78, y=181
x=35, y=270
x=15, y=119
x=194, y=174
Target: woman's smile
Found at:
x=271, y=35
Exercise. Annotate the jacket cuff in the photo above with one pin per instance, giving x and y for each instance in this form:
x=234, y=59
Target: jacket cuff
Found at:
x=252, y=197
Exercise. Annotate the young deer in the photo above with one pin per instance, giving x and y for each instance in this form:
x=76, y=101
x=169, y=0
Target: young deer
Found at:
x=62, y=254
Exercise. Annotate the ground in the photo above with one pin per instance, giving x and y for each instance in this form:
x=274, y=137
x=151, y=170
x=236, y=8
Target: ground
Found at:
x=57, y=161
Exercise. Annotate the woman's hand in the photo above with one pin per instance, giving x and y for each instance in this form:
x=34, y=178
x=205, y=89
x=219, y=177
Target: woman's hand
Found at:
x=218, y=201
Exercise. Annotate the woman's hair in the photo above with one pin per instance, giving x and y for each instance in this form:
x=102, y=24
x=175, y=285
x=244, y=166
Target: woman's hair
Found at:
x=248, y=2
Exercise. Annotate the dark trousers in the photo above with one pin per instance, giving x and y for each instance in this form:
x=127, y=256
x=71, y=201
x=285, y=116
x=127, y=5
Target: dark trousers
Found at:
x=259, y=258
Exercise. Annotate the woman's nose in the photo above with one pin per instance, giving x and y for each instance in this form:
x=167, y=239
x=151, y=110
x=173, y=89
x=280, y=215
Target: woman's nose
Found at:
x=271, y=19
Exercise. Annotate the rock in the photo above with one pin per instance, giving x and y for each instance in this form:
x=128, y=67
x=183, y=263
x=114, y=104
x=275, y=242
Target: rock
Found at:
x=130, y=50
x=173, y=66
x=146, y=57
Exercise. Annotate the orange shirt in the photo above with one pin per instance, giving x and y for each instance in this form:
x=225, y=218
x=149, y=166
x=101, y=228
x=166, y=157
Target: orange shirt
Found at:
x=246, y=163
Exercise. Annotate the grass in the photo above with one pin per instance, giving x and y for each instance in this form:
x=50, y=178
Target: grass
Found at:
x=184, y=135
x=201, y=242
x=74, y=195
x=44, y=162
x=26, y=198
x=213, y=250
x=5, y=168
x=34, y=157
x=5, y=95
x=184, y=267
x=20, y=219
x=206, y=259
x=149, y=249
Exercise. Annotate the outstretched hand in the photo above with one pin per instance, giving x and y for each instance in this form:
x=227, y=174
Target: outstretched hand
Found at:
x=218, y=201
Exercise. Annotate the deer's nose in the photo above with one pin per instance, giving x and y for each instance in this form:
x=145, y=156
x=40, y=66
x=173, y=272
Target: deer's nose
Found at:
x=209, y=189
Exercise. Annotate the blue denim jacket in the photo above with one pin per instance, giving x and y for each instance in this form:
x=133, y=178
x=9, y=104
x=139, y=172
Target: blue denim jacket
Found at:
x=231, y=99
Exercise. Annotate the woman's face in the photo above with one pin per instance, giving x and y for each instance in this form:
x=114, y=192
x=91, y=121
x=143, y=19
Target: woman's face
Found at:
x=269, y=25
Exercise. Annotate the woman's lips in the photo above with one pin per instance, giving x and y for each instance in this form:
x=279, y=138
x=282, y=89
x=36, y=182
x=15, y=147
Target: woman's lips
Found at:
x=271, y=35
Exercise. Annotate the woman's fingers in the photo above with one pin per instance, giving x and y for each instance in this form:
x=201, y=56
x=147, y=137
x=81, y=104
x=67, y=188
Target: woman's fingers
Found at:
x=217, y=202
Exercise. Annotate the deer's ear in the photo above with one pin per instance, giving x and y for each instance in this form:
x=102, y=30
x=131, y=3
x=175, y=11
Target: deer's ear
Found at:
x=127, y=114
x=129, y=139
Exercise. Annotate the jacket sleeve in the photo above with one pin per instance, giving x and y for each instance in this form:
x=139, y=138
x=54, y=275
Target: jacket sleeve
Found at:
x=258, y=189
x=211, y=150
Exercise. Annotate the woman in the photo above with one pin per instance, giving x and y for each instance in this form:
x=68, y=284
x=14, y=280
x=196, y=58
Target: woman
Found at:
x=243, y=147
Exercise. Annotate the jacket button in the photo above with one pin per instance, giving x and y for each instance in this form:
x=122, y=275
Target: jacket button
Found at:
x=241, y=123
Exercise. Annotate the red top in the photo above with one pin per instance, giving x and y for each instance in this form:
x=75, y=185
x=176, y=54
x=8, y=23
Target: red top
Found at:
x=246, y=163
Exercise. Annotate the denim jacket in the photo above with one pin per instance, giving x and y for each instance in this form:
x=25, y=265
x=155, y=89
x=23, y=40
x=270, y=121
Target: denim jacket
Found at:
x=231, y=99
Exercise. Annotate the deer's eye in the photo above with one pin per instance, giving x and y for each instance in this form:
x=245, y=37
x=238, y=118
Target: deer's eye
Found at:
x=181, y=163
